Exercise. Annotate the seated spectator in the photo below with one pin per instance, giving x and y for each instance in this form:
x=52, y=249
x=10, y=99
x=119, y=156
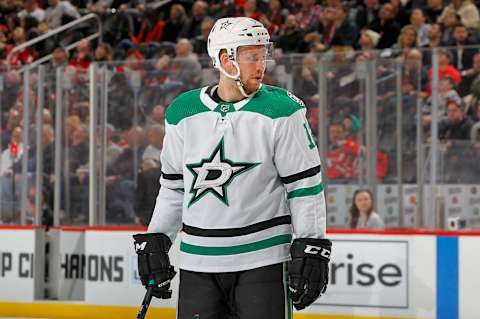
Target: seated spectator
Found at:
x=192, y=26
x=274, y=18
x=306, y=79
x=456, y=126
x=433, y=10
x=59, y=57
x=10, y=166
x=82, y=57
x=79, y=147
x=366, y=13
x=308, y=17
x=414, y=76
x=342, y=154
x=407, y=39
x=449, y=21
x=113, y=150
x=468, y=76
x=199, y=43
x=147, y=190
x=157, y=116
x=454, y=133
x=402, y=11
x=31, y=9
x=175, y=23
x=250, y=10
x=444, y=69
x=121, y=176
x=352, y=126
x=386, y=26
x=24, y=56
x=185, y=65
x=151, y=31
x=4, y=47
x=59, y=11
x=155, y=135
x=434, y=36
x=48, y=150
x=13, y=120
x=467, y=11
x=446, y=92
x=462, y=54
x=289, y=36
x=418, y=20
x=362, y=214
x=368, y=40
x=13, y=153
x=103, y=53
x=342, y=27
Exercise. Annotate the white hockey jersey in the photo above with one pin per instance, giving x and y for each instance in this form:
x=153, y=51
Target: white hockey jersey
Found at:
x=238, y=180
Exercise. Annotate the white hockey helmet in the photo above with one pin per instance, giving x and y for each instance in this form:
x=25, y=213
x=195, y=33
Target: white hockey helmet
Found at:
x=232, y=33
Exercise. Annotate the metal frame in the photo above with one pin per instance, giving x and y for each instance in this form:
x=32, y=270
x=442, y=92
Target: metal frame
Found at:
x=63, y=28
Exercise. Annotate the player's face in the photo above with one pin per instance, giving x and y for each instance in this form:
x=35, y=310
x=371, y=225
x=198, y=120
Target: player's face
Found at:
x=252, y=61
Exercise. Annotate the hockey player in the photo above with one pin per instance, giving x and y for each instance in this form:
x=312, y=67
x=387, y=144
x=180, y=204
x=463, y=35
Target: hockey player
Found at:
x=240, y=180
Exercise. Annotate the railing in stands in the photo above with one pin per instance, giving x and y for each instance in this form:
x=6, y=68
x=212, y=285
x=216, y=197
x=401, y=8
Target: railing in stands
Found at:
x=56, y=31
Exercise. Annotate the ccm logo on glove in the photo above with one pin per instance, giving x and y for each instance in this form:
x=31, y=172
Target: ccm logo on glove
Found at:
x=314, y=250
x=140, y=247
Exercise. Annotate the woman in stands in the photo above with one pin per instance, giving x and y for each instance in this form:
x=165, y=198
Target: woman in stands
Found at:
x=362, y=215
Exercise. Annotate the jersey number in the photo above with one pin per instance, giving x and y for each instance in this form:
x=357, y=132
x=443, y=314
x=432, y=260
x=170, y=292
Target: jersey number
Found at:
x=311, y=144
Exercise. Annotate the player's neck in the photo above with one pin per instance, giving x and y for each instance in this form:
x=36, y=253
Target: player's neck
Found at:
x=228, y=90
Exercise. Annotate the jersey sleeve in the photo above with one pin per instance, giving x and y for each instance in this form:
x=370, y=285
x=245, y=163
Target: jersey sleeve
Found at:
x=298, y=163
x=167, y=214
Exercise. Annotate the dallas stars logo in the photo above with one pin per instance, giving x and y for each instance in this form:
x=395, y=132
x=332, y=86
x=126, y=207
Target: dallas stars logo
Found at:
x=225, y=25
x=214, y=174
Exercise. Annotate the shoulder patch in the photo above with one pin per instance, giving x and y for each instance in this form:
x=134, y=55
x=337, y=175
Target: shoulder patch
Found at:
x=185, y=105
x=295, y=98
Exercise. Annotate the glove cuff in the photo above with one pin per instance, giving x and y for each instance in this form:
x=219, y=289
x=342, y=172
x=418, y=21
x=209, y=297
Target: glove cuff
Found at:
x=151, y=243
x=312, y=248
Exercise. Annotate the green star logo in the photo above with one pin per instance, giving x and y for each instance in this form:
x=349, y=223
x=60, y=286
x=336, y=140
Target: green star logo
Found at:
x=214, y=175
x=476, y=211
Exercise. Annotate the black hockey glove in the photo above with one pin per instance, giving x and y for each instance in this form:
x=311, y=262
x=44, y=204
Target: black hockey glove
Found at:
x=153, y=263
x=308, y=270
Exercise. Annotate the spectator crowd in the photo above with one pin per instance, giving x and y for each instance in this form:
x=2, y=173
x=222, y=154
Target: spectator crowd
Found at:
x=149, y=54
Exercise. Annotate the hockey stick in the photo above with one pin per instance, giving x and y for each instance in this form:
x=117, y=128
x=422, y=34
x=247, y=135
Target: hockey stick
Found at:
x=145, y=303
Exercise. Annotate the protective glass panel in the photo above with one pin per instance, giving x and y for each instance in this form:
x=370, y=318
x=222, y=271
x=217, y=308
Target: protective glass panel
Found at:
x=70, y=103
x=12, y=147
x=345, y=97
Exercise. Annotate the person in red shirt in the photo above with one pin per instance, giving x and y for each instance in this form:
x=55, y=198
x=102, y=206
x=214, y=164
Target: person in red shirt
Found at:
x=82, y=59
x=24, y=56
x=250, y=10
x=151, y=30
x=343, y=154
x=444, y=69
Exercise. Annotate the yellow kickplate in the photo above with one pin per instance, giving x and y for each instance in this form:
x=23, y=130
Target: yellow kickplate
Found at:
x=53, y=310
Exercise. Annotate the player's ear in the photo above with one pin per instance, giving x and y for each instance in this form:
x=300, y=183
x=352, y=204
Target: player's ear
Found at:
x=224, y=60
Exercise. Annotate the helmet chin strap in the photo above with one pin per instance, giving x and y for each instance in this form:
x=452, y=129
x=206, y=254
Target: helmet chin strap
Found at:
x=236, y=78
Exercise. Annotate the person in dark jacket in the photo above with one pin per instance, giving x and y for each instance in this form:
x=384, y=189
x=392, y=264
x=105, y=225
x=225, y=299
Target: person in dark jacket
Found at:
x=148, y=185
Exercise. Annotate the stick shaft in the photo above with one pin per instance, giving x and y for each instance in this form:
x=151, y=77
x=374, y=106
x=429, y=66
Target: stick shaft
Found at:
x=145, y=303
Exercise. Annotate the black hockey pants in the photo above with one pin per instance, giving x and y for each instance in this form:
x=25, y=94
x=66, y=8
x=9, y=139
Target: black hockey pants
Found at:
x=252, y=294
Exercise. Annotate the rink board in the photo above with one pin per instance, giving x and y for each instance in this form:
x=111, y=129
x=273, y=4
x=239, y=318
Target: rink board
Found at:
x=373, y=275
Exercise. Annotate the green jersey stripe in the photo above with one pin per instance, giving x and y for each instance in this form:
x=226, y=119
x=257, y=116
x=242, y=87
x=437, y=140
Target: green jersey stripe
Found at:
x=309, y=191
x=234, y=250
